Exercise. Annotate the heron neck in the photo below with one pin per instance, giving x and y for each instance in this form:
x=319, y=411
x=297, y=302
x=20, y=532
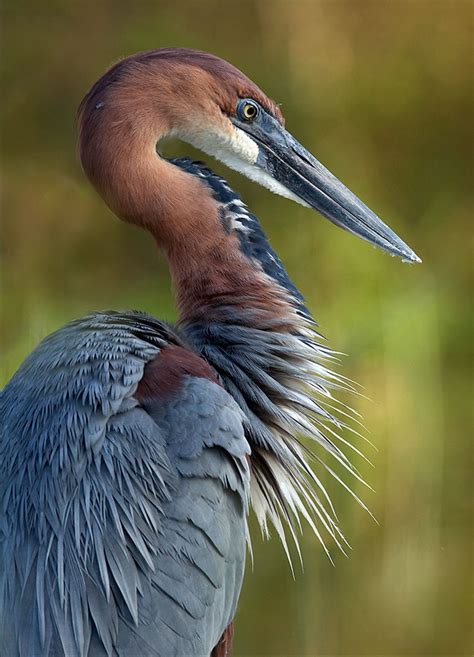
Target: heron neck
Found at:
x=230, y=273
x=224, y=286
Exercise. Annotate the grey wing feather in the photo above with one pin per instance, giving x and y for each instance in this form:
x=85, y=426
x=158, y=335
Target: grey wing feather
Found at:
x=194, y=589
x=122, y=528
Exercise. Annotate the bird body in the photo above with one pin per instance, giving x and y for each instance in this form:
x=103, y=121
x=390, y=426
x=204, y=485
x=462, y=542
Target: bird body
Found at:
x=131, y=450
x=104, y=463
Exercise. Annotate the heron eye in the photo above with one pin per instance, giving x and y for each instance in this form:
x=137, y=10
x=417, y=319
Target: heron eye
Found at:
x=248, y=110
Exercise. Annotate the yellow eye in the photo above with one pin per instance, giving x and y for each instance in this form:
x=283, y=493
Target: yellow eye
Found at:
x=247, y=110
x=250, y=111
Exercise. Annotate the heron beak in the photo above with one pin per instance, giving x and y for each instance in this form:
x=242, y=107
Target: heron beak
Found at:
x=289, y=163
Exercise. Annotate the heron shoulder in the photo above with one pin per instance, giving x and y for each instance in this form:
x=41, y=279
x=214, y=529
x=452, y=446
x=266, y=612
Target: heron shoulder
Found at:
x=119, y=505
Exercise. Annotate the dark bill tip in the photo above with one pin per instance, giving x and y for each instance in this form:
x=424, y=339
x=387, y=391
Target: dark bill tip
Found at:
x=306, y=177
x=298, y=171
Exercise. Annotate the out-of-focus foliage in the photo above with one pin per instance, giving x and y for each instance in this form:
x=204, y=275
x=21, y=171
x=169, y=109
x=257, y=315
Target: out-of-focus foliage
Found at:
x=382, y=93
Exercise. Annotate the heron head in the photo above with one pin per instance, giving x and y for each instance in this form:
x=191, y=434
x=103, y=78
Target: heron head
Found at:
x=247, y=132
x=205, y=101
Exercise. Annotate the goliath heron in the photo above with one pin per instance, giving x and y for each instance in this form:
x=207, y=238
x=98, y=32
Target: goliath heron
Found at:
x=131, y=449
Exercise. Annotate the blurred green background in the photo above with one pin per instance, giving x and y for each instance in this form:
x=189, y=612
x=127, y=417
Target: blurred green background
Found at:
x=382, y=93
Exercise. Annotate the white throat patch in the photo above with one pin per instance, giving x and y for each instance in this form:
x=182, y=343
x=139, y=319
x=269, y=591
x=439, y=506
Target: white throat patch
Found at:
x=239, y=152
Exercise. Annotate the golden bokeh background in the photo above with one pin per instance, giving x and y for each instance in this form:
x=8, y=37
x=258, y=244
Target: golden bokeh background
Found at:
x=382, y=93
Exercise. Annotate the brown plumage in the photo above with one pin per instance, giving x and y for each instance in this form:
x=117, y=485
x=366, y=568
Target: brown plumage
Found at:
x=164, y=375
x=224, y=646
x=139, y=101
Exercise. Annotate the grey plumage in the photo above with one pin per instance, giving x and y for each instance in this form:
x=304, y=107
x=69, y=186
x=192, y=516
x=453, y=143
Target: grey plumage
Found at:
x=123, y=527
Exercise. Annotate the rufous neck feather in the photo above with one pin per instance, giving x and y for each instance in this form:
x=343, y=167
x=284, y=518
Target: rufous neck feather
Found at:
x=120, y=128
